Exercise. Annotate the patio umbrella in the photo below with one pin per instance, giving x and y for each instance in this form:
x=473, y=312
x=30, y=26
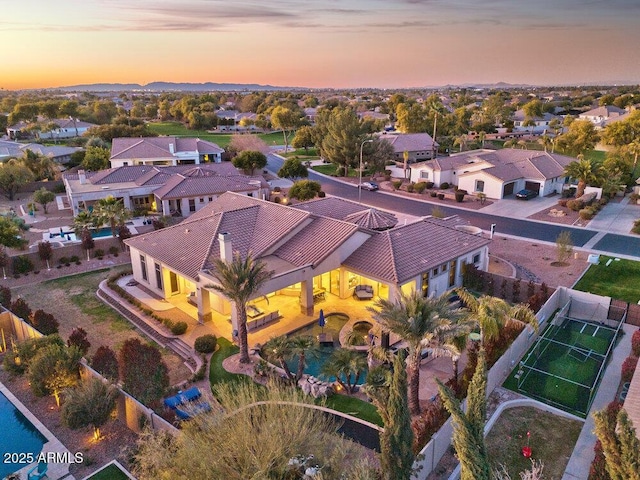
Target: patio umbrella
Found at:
x=321, y=321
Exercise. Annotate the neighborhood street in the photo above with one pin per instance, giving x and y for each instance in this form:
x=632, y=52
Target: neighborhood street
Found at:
x=609, y=243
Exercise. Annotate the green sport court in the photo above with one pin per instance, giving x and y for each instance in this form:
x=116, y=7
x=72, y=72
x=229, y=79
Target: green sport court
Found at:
x=565, y=364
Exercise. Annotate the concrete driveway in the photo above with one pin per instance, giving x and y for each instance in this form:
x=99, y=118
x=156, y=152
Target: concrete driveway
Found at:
x=514, y=208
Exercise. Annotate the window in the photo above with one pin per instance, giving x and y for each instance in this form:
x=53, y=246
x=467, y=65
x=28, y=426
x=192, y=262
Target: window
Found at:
x=476, y=258
x=435, y=272
x=424, y=174
x=425, y=284
x=158, y=276
x=143, y=268
x=125, y=163
x=201, y=200
x=452, y=273
x=479, y=185
x=192, y=205
x=211, y=199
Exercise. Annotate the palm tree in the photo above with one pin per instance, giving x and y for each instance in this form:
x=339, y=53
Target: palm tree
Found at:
x=545, y=141
x=346, y=365
x=634, y=149
x=299, y=346
x=240, y=280
x=585, y=171
x=482, y=135
x=278, y=349
x=84, y=221
x=453, y=347
x=111, y=210
x=491, y=314
x=418, y=321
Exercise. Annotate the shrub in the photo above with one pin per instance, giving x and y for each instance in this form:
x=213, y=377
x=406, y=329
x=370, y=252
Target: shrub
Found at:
x=603, y=201
x=105, y=362
x=636, y=227
x=5, y=297
x=410, y=188
x=420, y=187
x=45, y=322
x=321, y=194
x=433, y=194
x=429, y=185
x=396, y=184
x=428, y=423
x=113, y=250
x=74, y=259
x=78, y=338
x=635, y=343
x=144, y=374
x=20, y=308
x=441, y=196
x=99, y=253
x=586, y=214
x=460, y=195
x=63, y=260
x=206, y=344
x=563, y=202
x=22, y=265
x=628, y=368
x=598, y=469
x=444, y=185
x=575, y=205
x=26, y=351
x=178, y=328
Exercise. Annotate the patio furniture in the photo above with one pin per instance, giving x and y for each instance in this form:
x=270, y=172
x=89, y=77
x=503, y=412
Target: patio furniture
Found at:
x=325, y=339
x=318, y=294
x=253, y=311
x=188, y=401
x=363, y=292
x=192, y=299
x=38, y=472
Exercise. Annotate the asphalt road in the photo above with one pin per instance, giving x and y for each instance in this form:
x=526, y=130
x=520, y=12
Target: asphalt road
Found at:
x=610, y=243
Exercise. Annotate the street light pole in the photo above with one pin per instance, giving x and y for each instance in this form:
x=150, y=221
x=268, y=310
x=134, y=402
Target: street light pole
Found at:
x=360, y=176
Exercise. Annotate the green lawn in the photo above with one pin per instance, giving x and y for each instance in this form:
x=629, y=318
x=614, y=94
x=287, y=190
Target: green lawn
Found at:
x=552, y=440
x=330, y=169
x=620, y=280
x=221, y=139
x=355, y=407
x=302, y=154
x=112, y=472
x=217, y=373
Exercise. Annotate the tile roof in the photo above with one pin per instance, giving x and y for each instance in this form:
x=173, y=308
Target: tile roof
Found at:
x=373, y=219
x=332, y=207
x=400, y=254
x=270, y=231
x=409, y=142
x=180, y=186
x=159, y=147
x=604, y=111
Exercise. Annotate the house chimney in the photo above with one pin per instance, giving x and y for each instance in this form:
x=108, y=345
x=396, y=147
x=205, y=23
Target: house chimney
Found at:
x=82, y=176
x=226, y=252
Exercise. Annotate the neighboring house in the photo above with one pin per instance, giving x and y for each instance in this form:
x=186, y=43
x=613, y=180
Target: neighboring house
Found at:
x=497, y=173
x=67, y=128
x=419, y=146
x=180, y=190
x=307, y=253
x=58, y=153
x=127, y=151
x=602, y=115
x=541, y=124
x=237, y=118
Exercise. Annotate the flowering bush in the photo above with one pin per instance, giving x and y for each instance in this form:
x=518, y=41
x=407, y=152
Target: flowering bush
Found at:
x=628, y=368
x=635, y=343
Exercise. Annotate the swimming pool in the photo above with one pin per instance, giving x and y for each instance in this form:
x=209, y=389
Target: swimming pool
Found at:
x=18, y=435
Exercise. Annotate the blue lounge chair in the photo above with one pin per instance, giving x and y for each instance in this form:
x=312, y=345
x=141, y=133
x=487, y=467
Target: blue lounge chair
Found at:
x=38, y=472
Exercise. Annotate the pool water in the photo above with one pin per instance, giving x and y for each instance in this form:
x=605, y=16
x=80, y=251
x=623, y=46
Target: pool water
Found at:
x=18, y=435
x=318, y=356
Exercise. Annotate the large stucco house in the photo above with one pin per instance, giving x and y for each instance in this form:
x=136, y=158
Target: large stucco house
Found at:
x=312, y=251
x=127, y=151
x=497, y=173
x=603, y=115
x=419, y=146
x=171, y=190
x=58, y=153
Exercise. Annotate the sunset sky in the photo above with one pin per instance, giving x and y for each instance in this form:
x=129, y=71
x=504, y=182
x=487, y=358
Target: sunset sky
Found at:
x=328, y=43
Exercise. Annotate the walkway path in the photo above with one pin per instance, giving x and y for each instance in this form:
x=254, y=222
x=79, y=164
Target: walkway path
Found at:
x=616, y=217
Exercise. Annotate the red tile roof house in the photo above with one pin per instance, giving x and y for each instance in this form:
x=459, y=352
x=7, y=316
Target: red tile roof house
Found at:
x=420, y=146
x=127, y=151
x=180, y=190
x=308, y=252
x=497, y=173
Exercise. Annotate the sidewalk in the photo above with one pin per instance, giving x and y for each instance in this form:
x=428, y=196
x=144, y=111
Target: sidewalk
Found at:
x=580, y=461
x=616, y=217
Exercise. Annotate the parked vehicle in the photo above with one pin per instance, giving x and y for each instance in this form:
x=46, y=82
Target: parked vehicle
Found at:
x=371, y=186
x=526, y=194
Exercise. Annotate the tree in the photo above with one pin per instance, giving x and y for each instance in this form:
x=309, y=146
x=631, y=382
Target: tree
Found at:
x=346, y=365
x=13, y=176
x=240, y=280
x=45, y=252
x=54, y=369
x=45, y=322
x=620, y=444
x=285, y=119
x=533, y=109
x=87, y=241
x=249, y=161
x=5, y=297
x=580, y=138
x=388, y=391
x=376, y=154
x=278, y=349
x=41, y=166
x=492, y=314
x=10, y=233
x=293, y=168
x=242, y=143
x=344, y=135
x=419, y=321
x=105, y=362
x=78, y=338
x=468, y=428
x=304, y=190
x=111, y=210
x=91, y=403
x=143, y=372
x=44, y=197
x=272, y=440
x=21, y=309
x=70, y=108
x=4, y=258
x=96, y=158
x=411, y=118
x=585, y=171
x=303, y=138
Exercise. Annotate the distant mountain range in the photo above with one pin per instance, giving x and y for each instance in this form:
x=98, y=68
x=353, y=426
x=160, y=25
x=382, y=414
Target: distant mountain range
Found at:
x=170, y=86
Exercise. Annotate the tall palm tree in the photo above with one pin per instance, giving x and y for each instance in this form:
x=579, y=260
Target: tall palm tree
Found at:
x=585, y=171
x=111, y=210
x=418, y=321
x=278, y=349
x=545, y=141
x=84, y=221
x=346, y=365
x=492, y=314
x=453, y=346
x=240, y=280
x=300, y=345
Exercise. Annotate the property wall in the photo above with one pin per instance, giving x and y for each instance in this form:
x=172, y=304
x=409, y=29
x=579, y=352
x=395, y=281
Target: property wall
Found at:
x=12, y=326
x=492, y=186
